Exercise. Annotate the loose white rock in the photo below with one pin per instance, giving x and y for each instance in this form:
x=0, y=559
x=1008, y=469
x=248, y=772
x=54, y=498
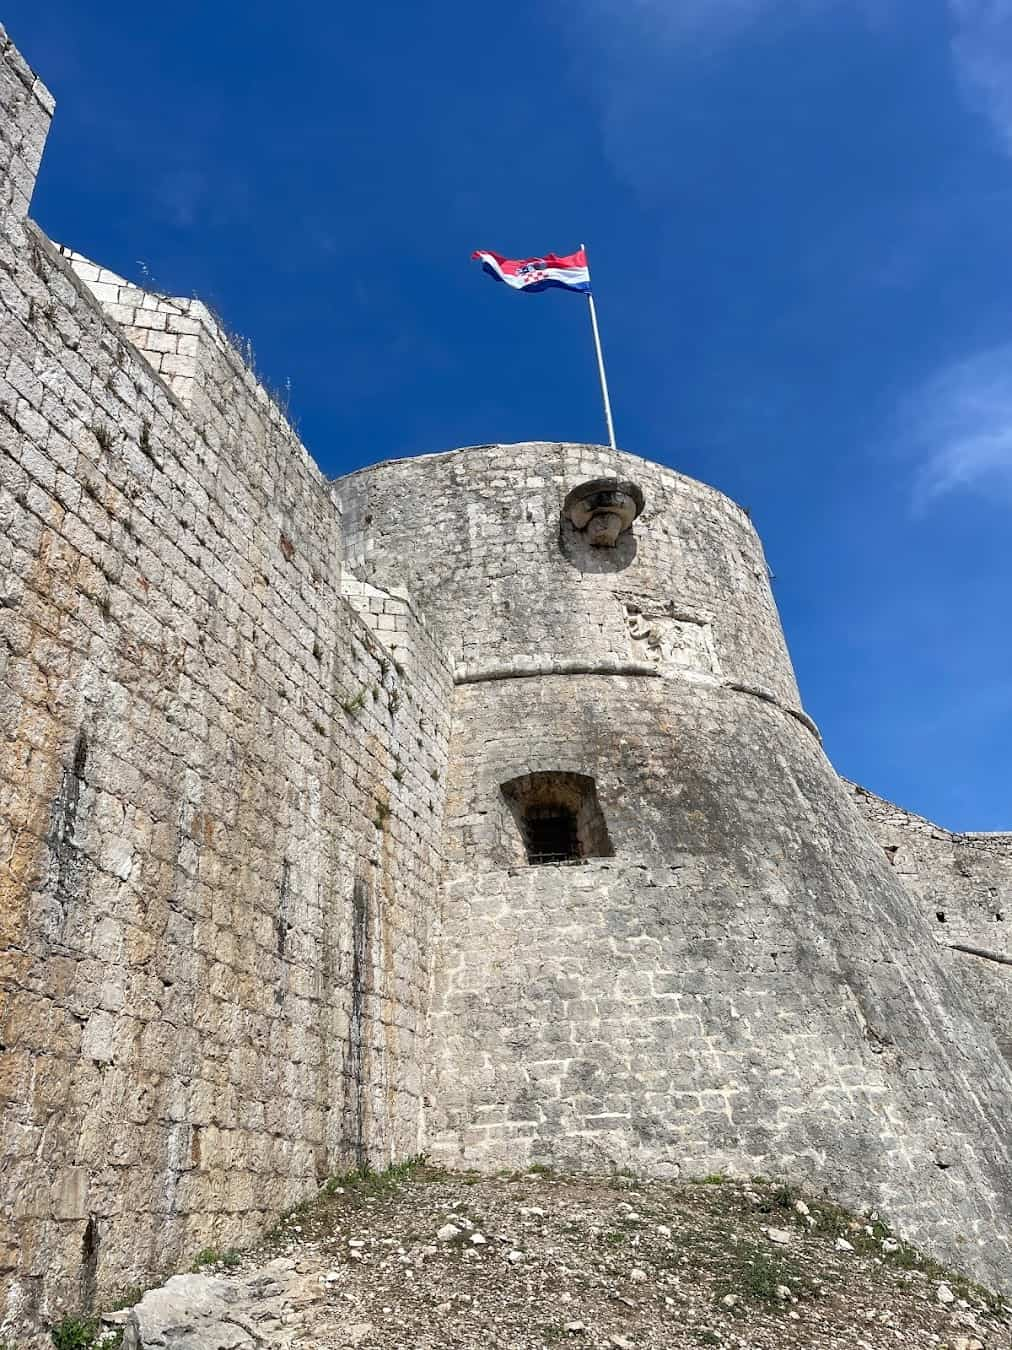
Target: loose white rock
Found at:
x=448, y=1232
x=637, y=1275
x=842, y=1245
x=944, y=1294
x=778, y=1235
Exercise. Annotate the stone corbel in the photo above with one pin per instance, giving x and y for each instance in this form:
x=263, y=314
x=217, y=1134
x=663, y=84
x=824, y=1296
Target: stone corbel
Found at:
x=603, y=509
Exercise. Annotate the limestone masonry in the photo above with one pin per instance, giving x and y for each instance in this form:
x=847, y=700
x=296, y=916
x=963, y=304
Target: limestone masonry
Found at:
x=465, y=805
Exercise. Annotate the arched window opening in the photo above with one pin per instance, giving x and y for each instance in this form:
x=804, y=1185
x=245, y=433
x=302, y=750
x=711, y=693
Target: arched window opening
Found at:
x=558, y=818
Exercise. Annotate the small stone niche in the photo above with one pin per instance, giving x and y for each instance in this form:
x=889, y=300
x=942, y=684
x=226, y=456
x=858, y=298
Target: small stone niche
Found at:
x=557, y=818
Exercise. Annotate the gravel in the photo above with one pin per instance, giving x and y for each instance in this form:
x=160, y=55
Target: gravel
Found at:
x=534, y=1261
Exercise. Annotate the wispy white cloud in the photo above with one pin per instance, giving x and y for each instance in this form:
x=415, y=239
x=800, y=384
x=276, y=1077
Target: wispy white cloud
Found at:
x=638, y=51
x=959, y=427
x=642, y=42
x=180, y=195
x=982, y=55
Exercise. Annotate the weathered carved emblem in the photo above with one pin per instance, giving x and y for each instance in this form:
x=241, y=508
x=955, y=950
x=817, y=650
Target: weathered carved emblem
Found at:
x=603, y=509
x=673, y=640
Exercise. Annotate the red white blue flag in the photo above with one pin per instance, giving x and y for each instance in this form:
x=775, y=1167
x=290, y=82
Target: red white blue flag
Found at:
x=570, y=271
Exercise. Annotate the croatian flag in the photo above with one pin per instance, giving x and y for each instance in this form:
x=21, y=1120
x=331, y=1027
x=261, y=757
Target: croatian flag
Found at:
x=538, y=274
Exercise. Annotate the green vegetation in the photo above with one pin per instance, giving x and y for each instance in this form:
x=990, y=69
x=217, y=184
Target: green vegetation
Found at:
x=211, y=1256
x=352, y=705
x=870, y=1236
x=755, y=1275
x=103, y=435
x=356, y=1186
x=381, y=816
x=364, y=1181
x=83, y=1333
x=762, y=1274
x=784, y=1197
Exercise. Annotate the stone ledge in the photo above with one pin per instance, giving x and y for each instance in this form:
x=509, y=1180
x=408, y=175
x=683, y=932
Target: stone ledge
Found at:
x=526, y=666
x=767, y=697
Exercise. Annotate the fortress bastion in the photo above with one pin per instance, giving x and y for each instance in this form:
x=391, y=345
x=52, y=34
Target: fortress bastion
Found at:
x=734, y=978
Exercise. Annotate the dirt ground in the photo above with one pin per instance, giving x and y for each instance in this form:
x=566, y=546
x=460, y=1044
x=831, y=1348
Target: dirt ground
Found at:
x=417, y=1259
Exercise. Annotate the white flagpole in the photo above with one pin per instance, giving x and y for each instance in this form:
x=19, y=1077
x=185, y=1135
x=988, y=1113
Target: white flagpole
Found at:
x=600, y=360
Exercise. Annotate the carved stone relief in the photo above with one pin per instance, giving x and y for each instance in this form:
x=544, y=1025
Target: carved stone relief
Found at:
x=674, y=640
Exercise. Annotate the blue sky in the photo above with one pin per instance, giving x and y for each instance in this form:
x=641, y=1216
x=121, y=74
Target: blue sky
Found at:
x=800, y=221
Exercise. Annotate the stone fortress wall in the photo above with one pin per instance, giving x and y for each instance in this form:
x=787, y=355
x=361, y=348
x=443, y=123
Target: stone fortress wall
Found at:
x=963, y=886
x=222, y=765
x=270, y=753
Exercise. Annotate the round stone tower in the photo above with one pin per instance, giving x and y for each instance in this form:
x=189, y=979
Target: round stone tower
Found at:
x=667, y=940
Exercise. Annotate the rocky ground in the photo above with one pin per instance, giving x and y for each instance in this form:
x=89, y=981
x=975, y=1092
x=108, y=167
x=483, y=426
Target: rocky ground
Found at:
x=417, y=1259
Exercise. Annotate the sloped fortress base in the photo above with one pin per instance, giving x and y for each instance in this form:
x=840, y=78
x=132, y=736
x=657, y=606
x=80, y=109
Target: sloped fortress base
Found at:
x=466, y=804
